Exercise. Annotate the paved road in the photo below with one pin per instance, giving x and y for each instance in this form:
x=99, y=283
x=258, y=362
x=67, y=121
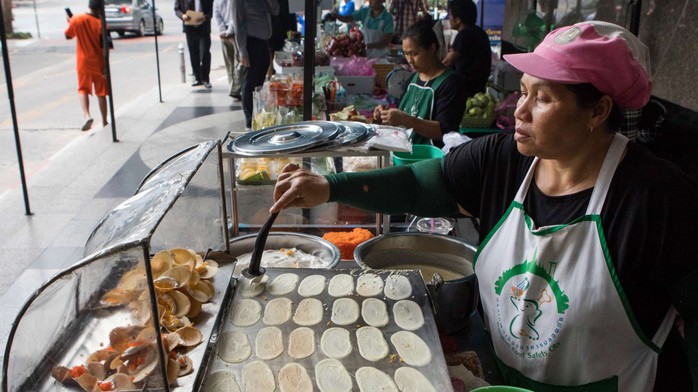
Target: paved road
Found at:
x=44, y=81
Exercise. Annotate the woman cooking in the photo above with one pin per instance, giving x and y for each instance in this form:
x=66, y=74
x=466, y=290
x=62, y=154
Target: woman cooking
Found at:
x=433, y=104
x=587, y=263
x=377, y=27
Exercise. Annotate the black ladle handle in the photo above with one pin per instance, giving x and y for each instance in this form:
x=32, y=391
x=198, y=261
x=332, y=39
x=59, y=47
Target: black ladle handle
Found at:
x=255, y=268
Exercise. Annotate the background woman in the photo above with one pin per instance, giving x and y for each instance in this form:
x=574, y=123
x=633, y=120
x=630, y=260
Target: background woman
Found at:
x=587, y=262
x=434, y=101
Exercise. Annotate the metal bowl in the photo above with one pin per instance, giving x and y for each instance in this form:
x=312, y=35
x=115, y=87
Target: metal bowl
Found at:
x=454, y=292
x=307, y=243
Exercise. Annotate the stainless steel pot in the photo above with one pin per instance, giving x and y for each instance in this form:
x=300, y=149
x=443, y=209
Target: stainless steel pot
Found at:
x=447, y=261
x=310, y=244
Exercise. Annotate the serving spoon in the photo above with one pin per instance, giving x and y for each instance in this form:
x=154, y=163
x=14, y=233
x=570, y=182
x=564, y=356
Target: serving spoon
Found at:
x=255, y=271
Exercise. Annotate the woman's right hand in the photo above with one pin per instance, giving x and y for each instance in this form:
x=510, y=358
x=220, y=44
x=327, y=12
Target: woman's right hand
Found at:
x=296, y=187
x=377, y=114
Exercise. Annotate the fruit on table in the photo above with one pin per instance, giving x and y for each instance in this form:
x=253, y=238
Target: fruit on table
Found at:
x=481, y=105
x=347, y=45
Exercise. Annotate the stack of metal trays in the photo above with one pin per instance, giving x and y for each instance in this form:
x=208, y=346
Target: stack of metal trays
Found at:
x=354, y=328
x=301, y=137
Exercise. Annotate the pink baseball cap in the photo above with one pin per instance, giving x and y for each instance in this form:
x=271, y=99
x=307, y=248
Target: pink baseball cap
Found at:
x=606, y=55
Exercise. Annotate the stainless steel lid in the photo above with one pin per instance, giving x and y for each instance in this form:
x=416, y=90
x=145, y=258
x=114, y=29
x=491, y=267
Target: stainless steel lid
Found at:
x=286, y=138
x=354, y=132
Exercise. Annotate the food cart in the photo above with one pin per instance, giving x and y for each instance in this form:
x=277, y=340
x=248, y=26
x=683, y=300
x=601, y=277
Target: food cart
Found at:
x=129, y=317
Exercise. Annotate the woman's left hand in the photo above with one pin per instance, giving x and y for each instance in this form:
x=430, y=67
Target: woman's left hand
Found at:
x=395, y=117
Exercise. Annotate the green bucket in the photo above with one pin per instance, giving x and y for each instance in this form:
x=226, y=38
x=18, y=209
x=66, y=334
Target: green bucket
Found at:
x=420, y=152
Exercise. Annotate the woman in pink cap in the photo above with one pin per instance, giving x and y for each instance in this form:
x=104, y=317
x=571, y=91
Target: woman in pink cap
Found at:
x=587, y=265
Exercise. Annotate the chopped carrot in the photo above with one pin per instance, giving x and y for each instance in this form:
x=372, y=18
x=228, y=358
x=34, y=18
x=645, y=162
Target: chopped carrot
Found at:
x=347, y=241
x=106, y=386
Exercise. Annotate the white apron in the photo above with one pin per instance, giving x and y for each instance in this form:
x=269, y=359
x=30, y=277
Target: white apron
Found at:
x=372, y=36
x=553, y=304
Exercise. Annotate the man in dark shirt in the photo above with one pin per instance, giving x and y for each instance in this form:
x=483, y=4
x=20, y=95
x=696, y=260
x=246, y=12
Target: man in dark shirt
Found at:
x=470, y=56
x=196, y=17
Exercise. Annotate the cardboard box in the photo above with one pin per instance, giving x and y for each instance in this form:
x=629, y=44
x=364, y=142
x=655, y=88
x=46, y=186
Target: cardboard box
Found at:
x=358, y=84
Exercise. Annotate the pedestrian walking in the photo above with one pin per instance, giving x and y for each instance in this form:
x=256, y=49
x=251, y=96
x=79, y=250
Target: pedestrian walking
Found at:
x=196, y=19
x=86, y=28
x=223, y=15
x=252, y=24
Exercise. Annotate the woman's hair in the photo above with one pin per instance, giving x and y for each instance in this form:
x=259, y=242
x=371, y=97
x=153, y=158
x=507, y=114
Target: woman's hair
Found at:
x=422, y=32
x=466, y=10
x=588, y=96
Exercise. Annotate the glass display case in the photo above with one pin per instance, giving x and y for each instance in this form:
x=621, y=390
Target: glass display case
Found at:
x=253, y=178
x=159, y=258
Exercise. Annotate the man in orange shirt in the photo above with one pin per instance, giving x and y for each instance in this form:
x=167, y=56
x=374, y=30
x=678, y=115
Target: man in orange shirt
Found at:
x=87, y=28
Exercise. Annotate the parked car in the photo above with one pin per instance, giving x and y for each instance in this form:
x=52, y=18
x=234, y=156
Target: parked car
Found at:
x=135, y=16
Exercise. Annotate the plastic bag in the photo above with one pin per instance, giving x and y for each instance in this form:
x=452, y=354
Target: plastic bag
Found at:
x=453, y=139
x=504, y=112
x=353, y=66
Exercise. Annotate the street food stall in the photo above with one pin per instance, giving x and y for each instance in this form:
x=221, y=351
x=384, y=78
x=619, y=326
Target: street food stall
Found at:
x=159, y=301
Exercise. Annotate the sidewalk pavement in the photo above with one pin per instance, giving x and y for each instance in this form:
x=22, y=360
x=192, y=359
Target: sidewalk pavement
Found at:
x=92, y=175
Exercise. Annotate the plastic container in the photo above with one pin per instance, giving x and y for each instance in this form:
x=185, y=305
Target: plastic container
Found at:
x=420, y=152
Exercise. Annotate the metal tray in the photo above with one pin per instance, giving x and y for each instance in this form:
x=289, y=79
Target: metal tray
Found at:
x=436, y=371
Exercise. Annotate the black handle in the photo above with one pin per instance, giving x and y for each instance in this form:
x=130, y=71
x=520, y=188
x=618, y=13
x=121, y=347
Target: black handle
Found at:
x=255, y=263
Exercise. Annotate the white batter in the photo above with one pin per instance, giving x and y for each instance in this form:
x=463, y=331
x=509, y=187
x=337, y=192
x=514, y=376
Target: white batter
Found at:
x=371, y=379
x=309, y=312
x=283, y=258
x=372, y=344
x=312, y=285
x=301, y=343
x=411, y=348
x=234, y=347
x=269, y=343
x=341, y=285
x=375, y=312
x=277, y=311
x=221, y=381
x=331, y=376
x=294, y=378
x=369, y=285
x=397, y=287
x=411, y=380
x=345, y=311
x=248, y=289
x=283, y=284
x=336, y=343
x=408, y=315
x=258, y=377
x=246, y=313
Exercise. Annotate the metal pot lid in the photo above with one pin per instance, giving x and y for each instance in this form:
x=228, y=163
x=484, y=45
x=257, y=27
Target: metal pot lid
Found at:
x=286, y=138
x=354, y=132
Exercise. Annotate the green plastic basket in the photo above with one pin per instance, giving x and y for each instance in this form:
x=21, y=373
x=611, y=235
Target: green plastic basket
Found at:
x=420, y=152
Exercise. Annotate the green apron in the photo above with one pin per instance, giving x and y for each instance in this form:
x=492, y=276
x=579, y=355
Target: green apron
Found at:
x=418, y=101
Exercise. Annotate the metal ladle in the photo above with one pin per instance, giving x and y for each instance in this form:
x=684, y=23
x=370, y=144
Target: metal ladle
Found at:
x=255, y=271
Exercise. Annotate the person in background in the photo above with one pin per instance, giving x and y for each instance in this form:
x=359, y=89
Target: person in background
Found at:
x=223, y=15
x=86, y=28
x=252, y=23
x=406, y=13
x=281, y=24
x=587, y=259
x=377, y=27
x=471, y=55
x=198, y=35
x=434, y=102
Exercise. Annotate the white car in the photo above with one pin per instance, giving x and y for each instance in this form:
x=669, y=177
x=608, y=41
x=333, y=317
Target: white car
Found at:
x=135, y=16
